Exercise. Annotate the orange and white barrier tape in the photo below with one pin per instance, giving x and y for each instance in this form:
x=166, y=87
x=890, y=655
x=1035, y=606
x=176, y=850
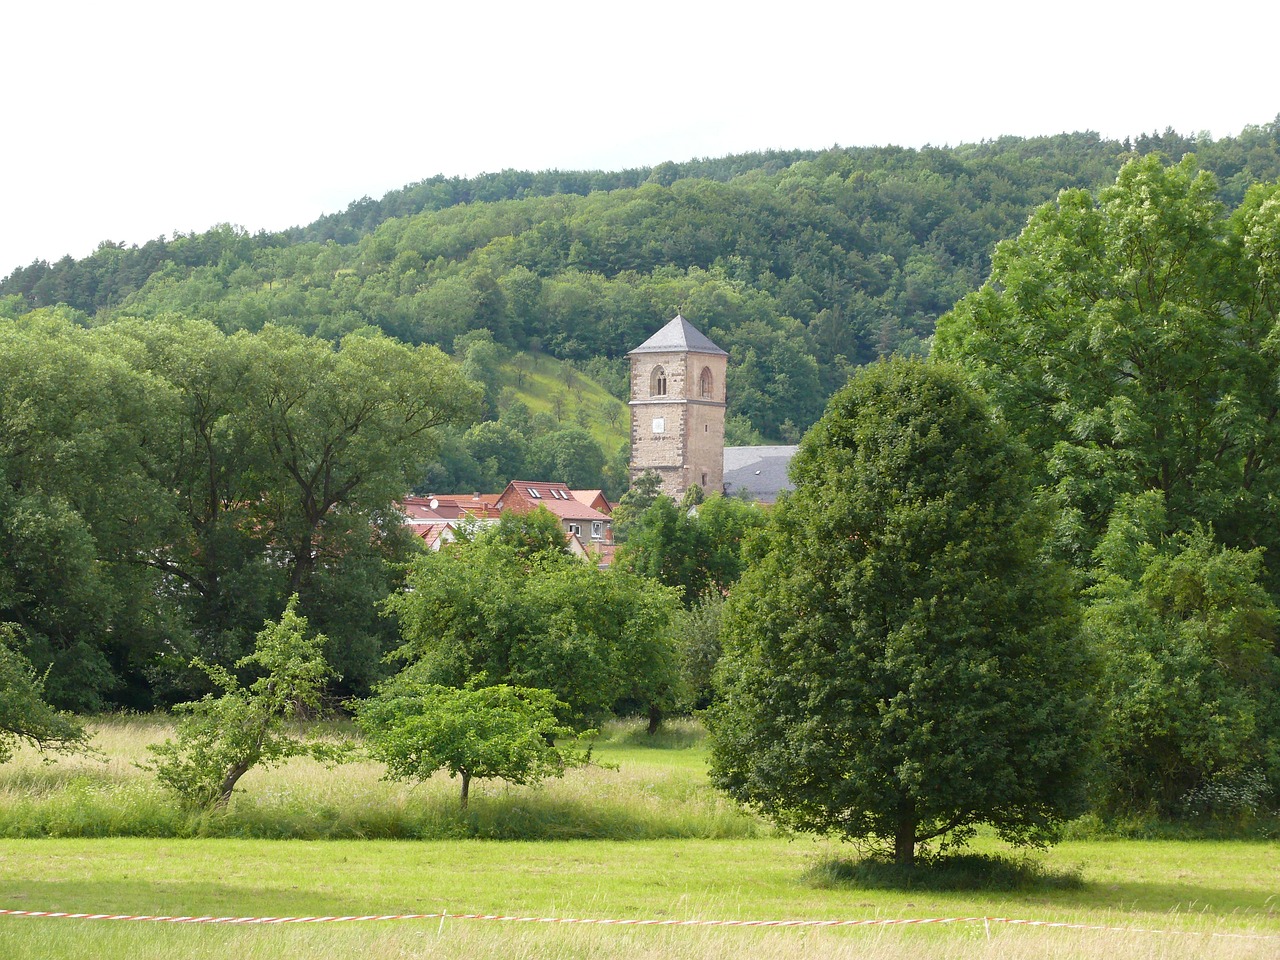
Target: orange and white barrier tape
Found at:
x=249, y=921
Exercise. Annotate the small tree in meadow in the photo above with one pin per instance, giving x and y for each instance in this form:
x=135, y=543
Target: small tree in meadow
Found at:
x=509, y=733
x=221, y=738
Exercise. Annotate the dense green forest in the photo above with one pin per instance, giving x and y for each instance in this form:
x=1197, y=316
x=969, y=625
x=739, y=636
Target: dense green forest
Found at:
x=801, y=264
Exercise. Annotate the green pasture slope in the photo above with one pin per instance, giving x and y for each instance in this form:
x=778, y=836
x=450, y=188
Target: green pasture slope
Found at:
x=1216, y=899
x=543, y=379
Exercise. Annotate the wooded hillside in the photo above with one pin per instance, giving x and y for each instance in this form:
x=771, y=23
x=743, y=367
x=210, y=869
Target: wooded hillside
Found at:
x=802, y=264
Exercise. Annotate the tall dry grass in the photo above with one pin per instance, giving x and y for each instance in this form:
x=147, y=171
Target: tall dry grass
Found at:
x=653, y=788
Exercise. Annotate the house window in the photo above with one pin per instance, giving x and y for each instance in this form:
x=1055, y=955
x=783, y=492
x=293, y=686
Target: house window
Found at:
x=597, y=529
x=575, y=529
x=705, y=384
x=659, y=424
x=658, y=382
x=534, y=493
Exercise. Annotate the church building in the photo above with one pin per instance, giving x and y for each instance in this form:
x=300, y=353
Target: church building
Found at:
x=678, y=408
x=677, y=421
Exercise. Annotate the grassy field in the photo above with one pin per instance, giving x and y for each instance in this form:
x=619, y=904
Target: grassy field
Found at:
x=692, y=859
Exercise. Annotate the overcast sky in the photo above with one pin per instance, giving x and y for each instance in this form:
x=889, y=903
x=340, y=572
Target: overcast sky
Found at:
x=127, y=119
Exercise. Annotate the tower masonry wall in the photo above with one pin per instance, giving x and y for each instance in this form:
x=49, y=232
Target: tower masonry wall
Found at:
x=678, y=434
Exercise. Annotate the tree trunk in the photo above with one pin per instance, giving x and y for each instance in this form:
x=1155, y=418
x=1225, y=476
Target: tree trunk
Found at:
x=655, y=718
x=466, y=788
x=237, y=771
x=904, y=838
x=303, y=562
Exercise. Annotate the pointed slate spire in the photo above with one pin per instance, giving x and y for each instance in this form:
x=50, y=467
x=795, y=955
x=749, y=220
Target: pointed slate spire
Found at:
x=679, y=336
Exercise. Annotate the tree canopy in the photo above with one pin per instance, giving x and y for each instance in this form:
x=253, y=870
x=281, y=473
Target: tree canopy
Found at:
x=165, y=487
x=535, y=616
x=1189, y=680
x=1129, y=340
x=695, y=547
x=479, y=731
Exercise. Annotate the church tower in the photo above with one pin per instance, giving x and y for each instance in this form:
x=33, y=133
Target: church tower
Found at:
x=677, y=409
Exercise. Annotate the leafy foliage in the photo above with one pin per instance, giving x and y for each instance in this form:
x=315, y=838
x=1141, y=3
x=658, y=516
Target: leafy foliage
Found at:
x=701, y=647
x=164, y=487
x=503, y=732
x=1190, y=686
x=698, y=549
x=1129, y=341
x=24, y=715
x=901, y=664
x=544, y=620
x=219, y=739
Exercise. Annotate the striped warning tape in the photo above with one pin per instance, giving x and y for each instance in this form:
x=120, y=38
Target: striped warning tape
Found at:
x=155, y=918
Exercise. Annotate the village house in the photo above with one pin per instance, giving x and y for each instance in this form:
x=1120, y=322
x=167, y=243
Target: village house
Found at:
x=584, y=515
x=437, y=518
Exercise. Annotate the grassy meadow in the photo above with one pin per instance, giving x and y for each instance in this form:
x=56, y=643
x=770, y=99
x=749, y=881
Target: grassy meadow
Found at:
x=645, y=838
x=640, y=788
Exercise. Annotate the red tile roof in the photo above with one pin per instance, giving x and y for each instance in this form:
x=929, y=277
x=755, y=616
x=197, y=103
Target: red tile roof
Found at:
x=524, y=496
x=433, y=507
x=434, y=534
x=595, y=499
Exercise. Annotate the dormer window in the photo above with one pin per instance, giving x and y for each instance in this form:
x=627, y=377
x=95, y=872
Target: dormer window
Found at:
x=658, y=382
x=705, y=384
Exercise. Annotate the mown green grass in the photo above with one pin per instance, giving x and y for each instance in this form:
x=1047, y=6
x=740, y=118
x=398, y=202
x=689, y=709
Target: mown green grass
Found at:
x=1190, y=890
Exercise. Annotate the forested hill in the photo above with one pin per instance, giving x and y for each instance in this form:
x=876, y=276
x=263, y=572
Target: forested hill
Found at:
x=802, y=264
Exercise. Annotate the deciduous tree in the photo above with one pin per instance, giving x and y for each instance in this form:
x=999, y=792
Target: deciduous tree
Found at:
x=509, y=733
x=1189, y=674
x=900, y=664
x=1130, y=341
x=24, y=715
x=545, y=620
x=220, y=739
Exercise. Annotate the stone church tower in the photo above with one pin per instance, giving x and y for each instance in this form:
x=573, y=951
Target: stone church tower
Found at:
x=677, y=409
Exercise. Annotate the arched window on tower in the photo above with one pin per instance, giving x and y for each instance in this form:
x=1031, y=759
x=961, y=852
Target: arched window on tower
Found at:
x=658, y=382
x=705, y=384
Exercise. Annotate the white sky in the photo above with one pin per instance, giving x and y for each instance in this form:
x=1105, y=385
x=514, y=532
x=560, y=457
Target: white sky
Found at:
x=128, y=119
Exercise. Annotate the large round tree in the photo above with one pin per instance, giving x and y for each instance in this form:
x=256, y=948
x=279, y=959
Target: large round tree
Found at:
x=901, y=663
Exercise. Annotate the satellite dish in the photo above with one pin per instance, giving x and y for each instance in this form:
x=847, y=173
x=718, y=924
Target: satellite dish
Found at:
x=434, y=503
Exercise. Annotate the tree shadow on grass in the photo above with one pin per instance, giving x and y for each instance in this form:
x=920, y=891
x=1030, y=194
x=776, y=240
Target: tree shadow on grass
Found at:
x=959, y=872
x=1029, y=881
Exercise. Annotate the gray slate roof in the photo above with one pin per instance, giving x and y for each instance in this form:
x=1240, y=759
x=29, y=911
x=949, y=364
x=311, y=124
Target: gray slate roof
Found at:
x=678, y=336
x=758, y=473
